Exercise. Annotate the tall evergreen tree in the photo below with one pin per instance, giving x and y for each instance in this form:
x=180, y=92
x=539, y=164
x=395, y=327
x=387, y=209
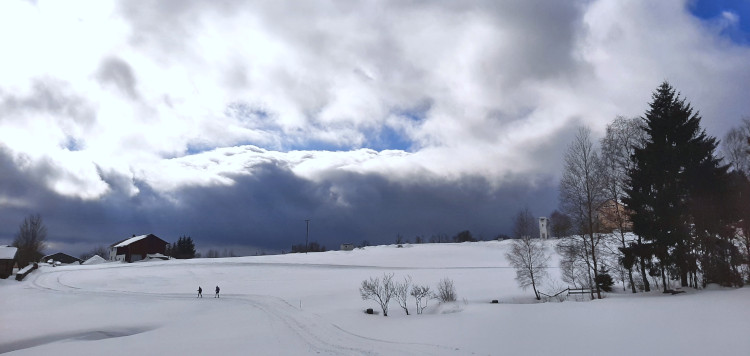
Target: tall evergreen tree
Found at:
x=184, y=248
x=672, y=174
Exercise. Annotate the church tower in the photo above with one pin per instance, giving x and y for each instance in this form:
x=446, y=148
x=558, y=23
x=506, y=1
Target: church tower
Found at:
x=543, y=228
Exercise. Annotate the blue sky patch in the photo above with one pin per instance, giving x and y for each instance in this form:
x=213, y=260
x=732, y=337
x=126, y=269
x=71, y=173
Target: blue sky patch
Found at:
x=389, y=139
x=714, y=11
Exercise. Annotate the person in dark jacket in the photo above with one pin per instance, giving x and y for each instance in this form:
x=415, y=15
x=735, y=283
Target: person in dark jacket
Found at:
x=217, y=292
x=200, y=292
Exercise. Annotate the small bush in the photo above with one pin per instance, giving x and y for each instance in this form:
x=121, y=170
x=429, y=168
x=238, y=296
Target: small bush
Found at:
x=605, y=282
x=446, y=291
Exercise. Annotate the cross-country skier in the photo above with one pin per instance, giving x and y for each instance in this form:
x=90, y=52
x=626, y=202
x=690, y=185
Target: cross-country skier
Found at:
x=200, y=292
x=217, y=292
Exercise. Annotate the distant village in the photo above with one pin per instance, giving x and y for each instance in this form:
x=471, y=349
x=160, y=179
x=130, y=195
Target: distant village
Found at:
x=132, y=249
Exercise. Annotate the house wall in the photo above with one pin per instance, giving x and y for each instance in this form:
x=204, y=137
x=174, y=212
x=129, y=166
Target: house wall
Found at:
x=139, y=249
x=347, y=247
x=6, y=268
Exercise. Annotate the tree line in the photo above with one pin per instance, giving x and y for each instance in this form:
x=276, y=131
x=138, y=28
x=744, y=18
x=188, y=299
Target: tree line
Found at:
x=660, y=177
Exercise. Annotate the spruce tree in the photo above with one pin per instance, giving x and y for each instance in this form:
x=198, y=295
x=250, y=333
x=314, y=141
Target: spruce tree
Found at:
x=184, y=248
x=672, y=175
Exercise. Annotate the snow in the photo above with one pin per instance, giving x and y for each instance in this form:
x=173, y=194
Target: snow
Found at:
x=7, y=252
x=305, y=304
x=94, y=260
x=26, y=269
x=130, y=241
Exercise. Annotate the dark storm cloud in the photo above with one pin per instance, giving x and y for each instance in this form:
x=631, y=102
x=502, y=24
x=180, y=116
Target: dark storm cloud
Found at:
x=267, y=209
x=14, y=185
x=24, y=191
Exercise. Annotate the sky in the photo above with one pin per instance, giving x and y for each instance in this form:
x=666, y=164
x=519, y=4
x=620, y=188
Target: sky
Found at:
x=235, y=121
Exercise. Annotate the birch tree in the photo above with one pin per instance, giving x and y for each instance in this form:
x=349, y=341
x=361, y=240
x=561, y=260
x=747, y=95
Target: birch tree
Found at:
x=582, y=193
x=623, y=136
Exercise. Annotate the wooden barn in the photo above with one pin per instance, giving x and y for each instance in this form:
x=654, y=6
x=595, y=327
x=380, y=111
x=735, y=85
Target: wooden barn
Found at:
x=62, y=258
x=7, y=260
x=137, y=248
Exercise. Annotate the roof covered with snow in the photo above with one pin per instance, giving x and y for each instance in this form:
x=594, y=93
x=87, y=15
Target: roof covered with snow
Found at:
x=94, y=260
x=61, y=257
x=129, y=241
x=7, y=252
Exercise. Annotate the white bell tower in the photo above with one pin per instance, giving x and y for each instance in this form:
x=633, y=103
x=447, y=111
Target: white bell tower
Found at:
x=543, y=228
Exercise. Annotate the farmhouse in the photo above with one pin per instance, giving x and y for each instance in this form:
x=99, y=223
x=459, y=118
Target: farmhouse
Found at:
x=609, y=212
x=62, y=258
x=137, y=248
x=7, y=260
x=347, y=247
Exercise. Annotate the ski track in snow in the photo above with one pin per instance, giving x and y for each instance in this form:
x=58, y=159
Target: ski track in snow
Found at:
x=320, y=336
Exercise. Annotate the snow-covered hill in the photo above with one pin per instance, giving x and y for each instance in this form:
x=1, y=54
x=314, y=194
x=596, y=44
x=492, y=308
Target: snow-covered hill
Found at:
x=300, y=304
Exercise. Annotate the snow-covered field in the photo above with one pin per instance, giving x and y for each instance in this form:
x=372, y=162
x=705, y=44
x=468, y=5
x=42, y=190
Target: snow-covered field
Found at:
x=299, y=304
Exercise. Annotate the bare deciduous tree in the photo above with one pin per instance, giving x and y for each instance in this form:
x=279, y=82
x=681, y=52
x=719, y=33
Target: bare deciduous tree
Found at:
x=560, y=224
x=421, y=294
x=30, y=240
x=524, y=224
x=574, y=269
x=736, y=145
x=618, y=145
x=378, y=290
x=402, y=293
x=211, y=253
x=582, y=193
x=529, y=257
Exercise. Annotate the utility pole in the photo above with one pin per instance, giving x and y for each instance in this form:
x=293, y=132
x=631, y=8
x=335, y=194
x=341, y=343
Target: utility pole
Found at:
x=307, y=233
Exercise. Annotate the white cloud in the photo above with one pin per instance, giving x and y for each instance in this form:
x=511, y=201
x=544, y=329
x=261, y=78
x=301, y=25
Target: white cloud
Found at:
x=137, y=87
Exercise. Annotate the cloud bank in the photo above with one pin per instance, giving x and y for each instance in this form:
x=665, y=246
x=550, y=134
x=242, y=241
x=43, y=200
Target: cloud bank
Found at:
x=233, y=121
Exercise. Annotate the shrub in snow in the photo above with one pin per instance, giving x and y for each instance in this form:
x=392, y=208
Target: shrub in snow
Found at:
x=555, y=291
x=421, y=294
x=378, y=290
x=446, y=291
x=402, y=293
x=604, y=281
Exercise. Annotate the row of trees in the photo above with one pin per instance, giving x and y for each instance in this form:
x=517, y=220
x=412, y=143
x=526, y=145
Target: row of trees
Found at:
x=311, y=247
x=659, y=173
x=382, y=291
x=463, y=236
x=211, y=253
x=184, y=248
